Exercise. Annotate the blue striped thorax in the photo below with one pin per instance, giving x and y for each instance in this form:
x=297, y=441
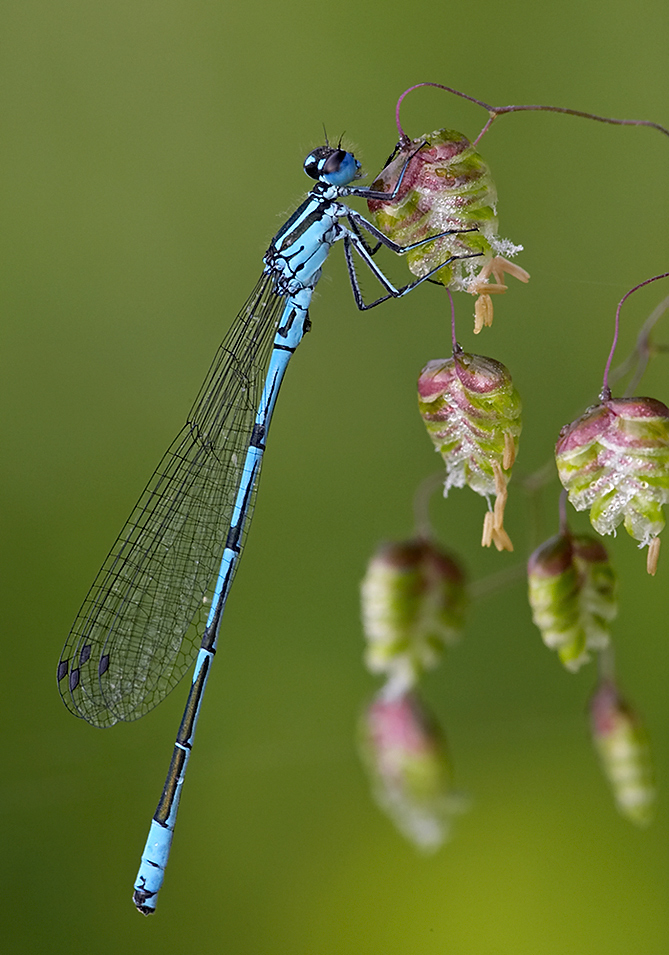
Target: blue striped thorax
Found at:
x=300, y=248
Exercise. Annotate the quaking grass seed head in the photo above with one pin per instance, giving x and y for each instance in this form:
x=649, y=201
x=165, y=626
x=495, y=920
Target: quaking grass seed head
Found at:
x=447, y=186
x=413, y=601
x=472, y=413
x=409, y=766
x=572, y=593
x=614, y=462
x=622, y=745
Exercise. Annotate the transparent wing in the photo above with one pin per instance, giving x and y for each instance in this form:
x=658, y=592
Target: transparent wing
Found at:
x=138, y=629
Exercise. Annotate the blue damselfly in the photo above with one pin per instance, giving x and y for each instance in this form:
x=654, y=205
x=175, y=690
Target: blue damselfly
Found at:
x=137, y=631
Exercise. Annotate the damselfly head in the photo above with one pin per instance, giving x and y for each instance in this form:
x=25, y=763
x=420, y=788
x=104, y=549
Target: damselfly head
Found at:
x=334, y=166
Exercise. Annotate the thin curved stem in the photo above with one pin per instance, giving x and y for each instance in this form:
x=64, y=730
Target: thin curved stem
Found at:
x=496, y=111
x=453, y=338
x=487, y=586
x=607, y=665
x=564, y=523
x=641, y=353
x=472, y=99
x=606, y=391
x=421, y=506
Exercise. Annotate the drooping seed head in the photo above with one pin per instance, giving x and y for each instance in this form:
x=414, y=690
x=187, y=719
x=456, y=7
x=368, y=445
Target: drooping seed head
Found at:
x=622, y=745
x=614, y=461
x=572, y=593
x=472, y=413
x=406, y=757
x=413, y=605
x=447, y=186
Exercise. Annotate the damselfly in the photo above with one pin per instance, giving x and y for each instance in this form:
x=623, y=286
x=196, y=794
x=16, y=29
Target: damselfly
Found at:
x=136, y=633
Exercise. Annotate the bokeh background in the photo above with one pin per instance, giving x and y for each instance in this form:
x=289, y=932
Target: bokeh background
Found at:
x=150, y=150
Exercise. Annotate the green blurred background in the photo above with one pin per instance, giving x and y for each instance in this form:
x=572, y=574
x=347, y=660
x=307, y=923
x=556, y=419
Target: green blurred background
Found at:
x=150, y=151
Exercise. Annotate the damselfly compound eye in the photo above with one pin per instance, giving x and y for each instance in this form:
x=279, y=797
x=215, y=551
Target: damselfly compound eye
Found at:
x=311, y=163
x=334, y=166
x=333, y=162
x=324, y=161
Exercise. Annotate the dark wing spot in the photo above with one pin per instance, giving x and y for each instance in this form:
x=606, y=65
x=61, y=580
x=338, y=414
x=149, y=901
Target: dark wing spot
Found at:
x=85, y=654
x=62, y=669
x=104, y=664
x=74, y=679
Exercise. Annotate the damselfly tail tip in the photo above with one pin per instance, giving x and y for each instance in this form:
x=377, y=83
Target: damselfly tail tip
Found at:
x=140, y=898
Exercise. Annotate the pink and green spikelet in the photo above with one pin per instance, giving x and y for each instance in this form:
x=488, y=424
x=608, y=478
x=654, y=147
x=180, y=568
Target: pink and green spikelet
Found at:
x=614, y=461
x=469, y=405
x=409, y=766
x=447, y=185
x=413, y=606
x=622, y=745
x=572, y=592
x=472, y=413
